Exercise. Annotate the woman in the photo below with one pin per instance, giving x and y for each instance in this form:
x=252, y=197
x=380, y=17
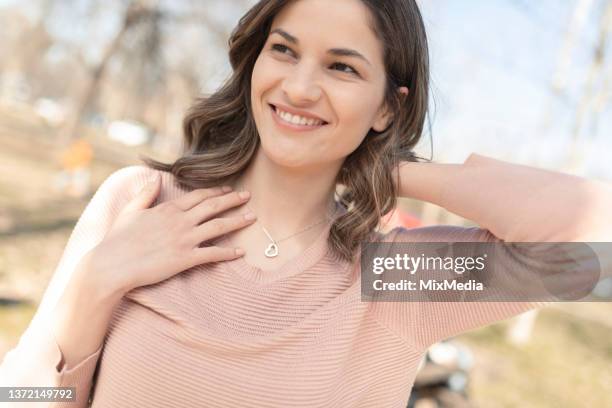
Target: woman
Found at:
x=152, y=306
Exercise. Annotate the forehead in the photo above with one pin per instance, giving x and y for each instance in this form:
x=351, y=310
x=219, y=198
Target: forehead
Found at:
x=331, y=24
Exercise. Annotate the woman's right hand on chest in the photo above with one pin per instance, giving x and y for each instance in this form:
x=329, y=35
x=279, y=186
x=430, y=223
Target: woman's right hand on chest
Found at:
x=146, y=245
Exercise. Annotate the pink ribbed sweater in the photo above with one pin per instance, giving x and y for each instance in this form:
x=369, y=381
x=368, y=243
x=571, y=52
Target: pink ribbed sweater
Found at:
x=231, y=335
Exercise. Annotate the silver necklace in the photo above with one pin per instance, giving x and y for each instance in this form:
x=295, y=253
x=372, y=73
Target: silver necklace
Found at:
x=271, y=250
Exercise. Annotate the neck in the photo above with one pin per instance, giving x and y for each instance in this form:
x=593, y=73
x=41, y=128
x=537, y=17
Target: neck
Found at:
x=287, y=200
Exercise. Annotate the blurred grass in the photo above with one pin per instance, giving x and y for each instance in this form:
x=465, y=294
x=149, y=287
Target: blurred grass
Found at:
x=13, y=322
x=35, y=219
x=567, y=362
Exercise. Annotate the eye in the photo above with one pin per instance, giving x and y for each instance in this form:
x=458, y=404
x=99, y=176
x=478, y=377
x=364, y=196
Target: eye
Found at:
x=282, y=48
x=339, y=64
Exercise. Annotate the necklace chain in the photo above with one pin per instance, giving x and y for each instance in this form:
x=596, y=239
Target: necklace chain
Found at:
x=272, y=249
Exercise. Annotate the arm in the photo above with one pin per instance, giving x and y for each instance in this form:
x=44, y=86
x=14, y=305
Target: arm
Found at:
x=63, y=342
x=82, y=315
x=516, y=203
x=513, y=203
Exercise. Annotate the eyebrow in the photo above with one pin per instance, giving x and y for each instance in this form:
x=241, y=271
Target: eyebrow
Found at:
x=341, y=52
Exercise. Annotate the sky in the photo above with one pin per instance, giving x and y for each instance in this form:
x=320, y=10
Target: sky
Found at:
x=492, y=62
x=492, y=65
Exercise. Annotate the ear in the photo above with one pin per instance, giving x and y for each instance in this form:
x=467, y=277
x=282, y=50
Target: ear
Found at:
x=384, y=118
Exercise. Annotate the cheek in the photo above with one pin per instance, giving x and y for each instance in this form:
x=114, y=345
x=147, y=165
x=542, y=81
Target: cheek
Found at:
x=256, y=82
x=355, y=117
x=263, y=77
x=356, y=113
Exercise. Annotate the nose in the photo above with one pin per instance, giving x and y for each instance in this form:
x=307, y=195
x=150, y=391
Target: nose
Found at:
x=301, y=86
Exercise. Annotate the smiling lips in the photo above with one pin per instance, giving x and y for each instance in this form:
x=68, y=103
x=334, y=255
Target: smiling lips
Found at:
x=295, y=122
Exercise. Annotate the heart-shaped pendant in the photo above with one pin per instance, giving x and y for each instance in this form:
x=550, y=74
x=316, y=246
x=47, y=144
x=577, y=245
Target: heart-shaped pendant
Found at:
x=271, y=250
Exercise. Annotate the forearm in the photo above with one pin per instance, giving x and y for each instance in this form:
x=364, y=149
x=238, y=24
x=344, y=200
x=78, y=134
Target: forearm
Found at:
x=82, y=316
x=515, y=202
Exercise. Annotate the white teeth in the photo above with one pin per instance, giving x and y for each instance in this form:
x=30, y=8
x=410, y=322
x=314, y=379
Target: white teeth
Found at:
x=297, y=120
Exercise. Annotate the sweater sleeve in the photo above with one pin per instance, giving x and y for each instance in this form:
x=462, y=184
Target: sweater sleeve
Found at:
x=37, y=359
x=519, y=203
x=422, y=323
x=510, y=203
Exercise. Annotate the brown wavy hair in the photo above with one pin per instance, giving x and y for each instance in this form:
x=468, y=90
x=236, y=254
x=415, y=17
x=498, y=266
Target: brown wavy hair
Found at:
x=221, y=138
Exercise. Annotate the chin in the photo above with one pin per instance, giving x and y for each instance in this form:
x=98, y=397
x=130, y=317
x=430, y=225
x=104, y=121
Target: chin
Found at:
x=286, y=160
x=289, y=157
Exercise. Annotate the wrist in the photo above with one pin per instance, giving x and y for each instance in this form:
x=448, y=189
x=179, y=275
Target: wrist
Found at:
x=99, y=286
x=425, y=181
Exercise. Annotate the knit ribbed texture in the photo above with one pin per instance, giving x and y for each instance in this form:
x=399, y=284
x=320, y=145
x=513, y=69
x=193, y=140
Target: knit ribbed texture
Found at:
x=229, y=334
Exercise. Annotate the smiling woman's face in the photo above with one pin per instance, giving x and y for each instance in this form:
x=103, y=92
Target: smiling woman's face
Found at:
x=299, y=71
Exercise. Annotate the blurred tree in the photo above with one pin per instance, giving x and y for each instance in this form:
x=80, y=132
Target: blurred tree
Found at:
x=596, y=89
x=136, y=12
x=142, y=64
x=30, y=41
x=587, y=104
x=593, y=93
x=143, y=59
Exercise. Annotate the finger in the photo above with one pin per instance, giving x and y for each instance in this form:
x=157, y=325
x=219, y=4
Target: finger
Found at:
x=146, y=196
x=215, y=254
x=221, y=226
x=215, y=205
x=195, y=197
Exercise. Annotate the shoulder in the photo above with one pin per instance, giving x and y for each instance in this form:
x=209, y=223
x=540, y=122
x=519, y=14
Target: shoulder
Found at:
x=123, y=184
x=126, y=177
x=439, y=233
x=126, y=182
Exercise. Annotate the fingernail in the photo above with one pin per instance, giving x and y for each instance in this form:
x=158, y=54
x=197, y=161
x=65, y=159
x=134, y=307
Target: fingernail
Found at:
x=244, y=194
x=226, y=189
x=239, y=251
x=249, y=216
